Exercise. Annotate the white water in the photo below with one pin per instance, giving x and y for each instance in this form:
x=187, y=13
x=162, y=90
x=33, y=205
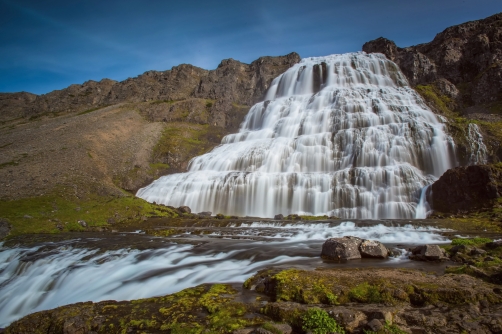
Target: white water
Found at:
x=38, y=278
x=362, y=147
x=479, y=152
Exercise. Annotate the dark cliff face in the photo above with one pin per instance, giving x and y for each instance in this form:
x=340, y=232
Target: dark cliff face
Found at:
x=459, y=74
x=232, y=83
x=466, y=189
x=468, y=55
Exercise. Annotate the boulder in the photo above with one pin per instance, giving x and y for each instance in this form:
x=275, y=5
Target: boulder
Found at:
x=279, y=217
x=373, y=249
x=346, y=248
x=184, y=209
x=427, y=253
x=494, y=244
x=205, y=213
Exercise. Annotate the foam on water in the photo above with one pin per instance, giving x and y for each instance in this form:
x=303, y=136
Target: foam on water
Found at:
x=34, y=279
x=341, y=135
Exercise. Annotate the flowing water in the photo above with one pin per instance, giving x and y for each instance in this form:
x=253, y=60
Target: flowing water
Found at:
x=53, y=274
x=341, y=135
x=477, y=147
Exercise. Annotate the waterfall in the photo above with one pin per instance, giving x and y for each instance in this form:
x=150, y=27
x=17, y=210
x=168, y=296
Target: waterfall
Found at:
x=341, y=135
x=478, y=148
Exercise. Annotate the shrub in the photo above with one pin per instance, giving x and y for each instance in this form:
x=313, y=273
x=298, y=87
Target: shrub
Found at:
x=319, y=322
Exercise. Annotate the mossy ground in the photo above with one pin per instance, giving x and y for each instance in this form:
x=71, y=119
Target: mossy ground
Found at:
x=179, y=143
x=340, y=287
x=202, y=309
x=54, y=213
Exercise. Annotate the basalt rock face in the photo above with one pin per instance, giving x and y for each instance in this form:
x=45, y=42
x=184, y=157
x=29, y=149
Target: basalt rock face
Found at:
x=232, y=84
x=464, y=189
x=459, y=74
x=468, y=56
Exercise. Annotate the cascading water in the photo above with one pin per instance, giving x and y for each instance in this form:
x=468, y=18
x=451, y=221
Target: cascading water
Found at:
x=341, y=135
x=478, y=148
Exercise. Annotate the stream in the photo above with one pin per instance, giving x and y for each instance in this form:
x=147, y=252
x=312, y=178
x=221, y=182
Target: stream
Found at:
x=96, y=266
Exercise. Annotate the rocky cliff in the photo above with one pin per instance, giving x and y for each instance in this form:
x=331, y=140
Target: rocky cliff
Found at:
x=102, y=137
x=232, y=83
x=459, y=73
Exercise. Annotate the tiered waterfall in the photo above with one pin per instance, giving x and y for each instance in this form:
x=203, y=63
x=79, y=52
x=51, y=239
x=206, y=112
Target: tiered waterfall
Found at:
x=341, y=135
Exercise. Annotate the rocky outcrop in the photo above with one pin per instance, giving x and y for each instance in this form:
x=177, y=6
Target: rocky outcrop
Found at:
x=349, y=248
x=232, y=84
x=402, y=300
x=464, y=189
x=468, y=56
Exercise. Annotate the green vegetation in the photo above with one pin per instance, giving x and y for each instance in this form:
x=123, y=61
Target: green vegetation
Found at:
x=92, y=109
x=9, y=163
x=53, y=213
x=202, y=309
x=342, y=287
x=470, y=242
x=365, y=293
x=319, y=322
x=387, y=329
x=432, y=94
x=180, y=142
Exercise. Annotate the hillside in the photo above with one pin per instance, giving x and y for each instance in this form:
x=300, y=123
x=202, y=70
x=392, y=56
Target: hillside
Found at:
x=103, y=140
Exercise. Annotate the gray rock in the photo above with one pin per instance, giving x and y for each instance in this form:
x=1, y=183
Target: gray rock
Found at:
x=346, y=248
x=5, y=228
x=260, y=331
x=283, y=328
x=184, y=209
x=279, y=217
x=374, y=325
x=478, y=251
x=373, y=249
x=349, y=319
x=427, y=253
x=82, y=223
x=205, y=213
x=494, y=244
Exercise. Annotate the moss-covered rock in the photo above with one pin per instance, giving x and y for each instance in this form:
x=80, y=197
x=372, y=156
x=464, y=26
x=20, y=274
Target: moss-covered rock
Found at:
x=203, y=309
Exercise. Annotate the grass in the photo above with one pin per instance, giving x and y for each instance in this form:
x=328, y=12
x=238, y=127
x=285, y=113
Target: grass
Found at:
x=180, y=142
x=91, y=110
x=43, y=214
x=9, y=163
x=470, y=242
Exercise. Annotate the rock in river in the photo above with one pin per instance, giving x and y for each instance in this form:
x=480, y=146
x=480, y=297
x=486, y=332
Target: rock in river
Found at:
x=373, y=249
x=346, y=248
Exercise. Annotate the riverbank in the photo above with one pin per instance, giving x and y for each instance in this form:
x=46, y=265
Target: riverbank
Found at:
x=165, y=256
x=294, y=301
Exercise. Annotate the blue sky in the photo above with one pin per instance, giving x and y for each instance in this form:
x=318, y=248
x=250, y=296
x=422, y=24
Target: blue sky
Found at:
x=50, y=44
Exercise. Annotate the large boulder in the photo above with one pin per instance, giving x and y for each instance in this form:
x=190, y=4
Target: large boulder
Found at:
x=373, y=249
x=427, y=253
x=346, y=248
x=464, y=189
x=184, y=209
